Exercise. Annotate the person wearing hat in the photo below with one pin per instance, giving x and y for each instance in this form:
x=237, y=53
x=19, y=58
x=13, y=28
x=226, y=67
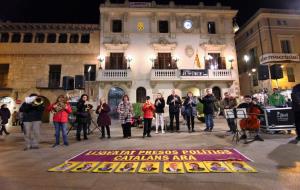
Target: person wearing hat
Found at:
x=276, y=99
x=148, y=109
x=32, y=119
x=296, y=109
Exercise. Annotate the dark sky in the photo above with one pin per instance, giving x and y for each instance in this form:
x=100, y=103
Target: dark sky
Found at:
x=86, y=11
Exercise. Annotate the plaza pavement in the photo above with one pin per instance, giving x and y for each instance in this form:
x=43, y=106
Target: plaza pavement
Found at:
x=277, y=162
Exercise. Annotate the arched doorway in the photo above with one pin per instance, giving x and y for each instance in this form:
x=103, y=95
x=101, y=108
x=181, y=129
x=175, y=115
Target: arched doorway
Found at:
x=115, y=95
x=217, y=92
x=140, y=95
x=46, y=114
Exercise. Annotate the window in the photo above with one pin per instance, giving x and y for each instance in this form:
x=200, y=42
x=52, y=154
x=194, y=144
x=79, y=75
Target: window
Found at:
x=254, y=60
x=4, y=70
x=286, y=46
x=290, y=74
x=16, y=38
x=27, y=38
x=164, y=61
x=74, y=38
x=278, y=22
x=51, y=38
x=90, y=72
x=284, y=22
x=54, y=76
x=211, y=26
x=117, y=26
x=4, y=37
x=163, y=26
x=214, y=61
x=63, y=38
x=39, y=38
x=85, y=38
x=115, y=61
x=141, y=95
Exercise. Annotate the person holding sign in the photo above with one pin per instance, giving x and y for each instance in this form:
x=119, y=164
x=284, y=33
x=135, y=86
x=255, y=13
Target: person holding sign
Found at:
x=174, y=103
x=148, y=109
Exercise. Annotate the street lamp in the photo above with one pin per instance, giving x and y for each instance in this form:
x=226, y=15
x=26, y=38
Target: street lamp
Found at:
x=231, y=60
x=128, y=59
x=176, y=59
x=209, y=58
x=152, y=59
x=246, y=58
x=89, y=70
x=101, y=59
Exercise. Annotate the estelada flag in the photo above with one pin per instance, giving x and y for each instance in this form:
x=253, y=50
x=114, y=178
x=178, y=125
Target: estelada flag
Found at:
x=197, y=61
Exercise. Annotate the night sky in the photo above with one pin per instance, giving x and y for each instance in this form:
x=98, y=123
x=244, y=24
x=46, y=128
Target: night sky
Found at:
x=86, y=11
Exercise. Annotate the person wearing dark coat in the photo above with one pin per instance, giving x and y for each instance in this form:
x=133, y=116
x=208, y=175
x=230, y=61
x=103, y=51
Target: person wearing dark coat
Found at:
x=104, y=121
x=82, y=116
x=32, y=110
x=208, y=102
x=296, y=109
x=4, y=115
x=159, y=112
x=174, y=103
x=189, y=111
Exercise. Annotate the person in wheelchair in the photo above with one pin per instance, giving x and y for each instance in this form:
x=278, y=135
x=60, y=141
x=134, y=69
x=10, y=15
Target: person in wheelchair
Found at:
x=252, y=123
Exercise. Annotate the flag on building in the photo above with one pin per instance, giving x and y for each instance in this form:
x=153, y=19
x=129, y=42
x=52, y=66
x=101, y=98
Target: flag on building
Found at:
x=197, y=61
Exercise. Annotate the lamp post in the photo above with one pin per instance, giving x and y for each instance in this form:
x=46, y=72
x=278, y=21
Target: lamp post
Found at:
x=209, y=58
x=176, y=59
x=246, y=59
x=152, y=59
x=89, y=70
x=101, y=60
x=230, y=61
x=128, y=59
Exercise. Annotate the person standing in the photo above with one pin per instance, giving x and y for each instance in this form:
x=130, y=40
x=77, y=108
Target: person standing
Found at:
x=61, y=110
x=189, y=105
x=4, y=115
x=159, y=113
x=103, y=119
x=125, y=110
x=148, y=109
x=208, y=102
x=229, y=102
x=276, y=99
x=82, y=117
x=174, y=103
x=32, y=109
x=296, y=109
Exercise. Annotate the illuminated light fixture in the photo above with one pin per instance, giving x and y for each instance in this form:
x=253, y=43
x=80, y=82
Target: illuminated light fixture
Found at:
x=253, y=70
x=246, y=58
x=128, y=59
x=101, y=59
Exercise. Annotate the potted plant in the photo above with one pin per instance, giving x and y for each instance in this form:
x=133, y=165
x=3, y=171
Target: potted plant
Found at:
x=137, y=114
x=200, y=114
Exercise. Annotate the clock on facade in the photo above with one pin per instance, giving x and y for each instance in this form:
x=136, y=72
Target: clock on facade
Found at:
x=187, y=24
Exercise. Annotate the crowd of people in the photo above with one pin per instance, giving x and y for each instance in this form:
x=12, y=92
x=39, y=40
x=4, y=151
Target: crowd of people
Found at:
x=31, y=111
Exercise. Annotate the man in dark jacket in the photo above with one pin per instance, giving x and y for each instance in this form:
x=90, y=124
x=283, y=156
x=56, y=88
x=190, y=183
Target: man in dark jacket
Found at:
x=4, y=116
x=208, y=102
x=32, y=109
x=296, y=109
x=174, y=103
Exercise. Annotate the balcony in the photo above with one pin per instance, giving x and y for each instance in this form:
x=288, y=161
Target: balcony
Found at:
x=191, y=75
x=114, y=75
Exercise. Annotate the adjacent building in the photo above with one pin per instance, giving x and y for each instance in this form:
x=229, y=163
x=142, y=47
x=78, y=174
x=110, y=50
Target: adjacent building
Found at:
x=270, y=37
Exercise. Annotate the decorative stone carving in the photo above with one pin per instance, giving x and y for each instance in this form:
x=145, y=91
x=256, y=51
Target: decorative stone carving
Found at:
x=116, y=44
x=164, y=44
x=189, y=51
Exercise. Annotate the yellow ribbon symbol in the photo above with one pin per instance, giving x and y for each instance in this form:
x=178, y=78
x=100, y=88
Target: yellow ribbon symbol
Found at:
x=140, y=26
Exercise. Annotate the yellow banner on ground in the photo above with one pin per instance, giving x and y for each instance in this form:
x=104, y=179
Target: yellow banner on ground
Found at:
x=237, y=166
x=149, y=168
x=106, y=167
x=85, y=167
x=216, y=166
x=173, y=167
x=127, y=167
x=195, y=167
x=64, y=167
